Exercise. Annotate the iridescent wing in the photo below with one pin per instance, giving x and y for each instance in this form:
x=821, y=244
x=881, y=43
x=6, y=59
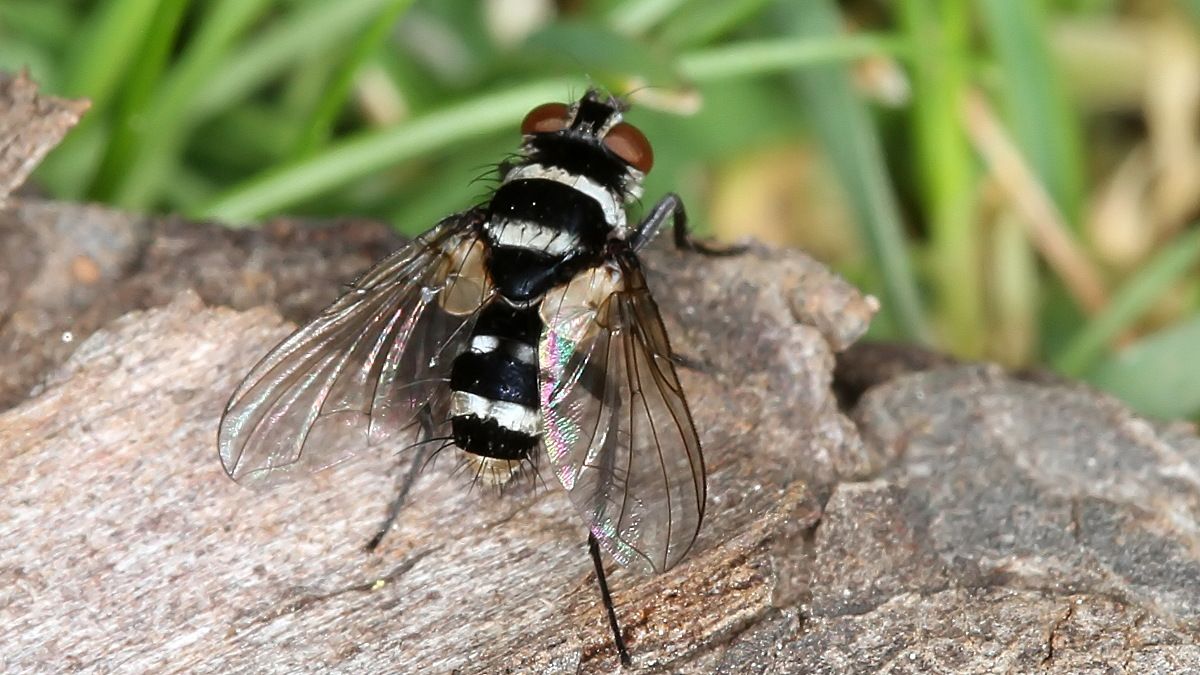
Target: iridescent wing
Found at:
x=616, y=427
x=360, y=371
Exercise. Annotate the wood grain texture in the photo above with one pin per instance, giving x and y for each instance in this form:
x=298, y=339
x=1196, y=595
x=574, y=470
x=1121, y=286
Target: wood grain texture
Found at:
x=140, y=555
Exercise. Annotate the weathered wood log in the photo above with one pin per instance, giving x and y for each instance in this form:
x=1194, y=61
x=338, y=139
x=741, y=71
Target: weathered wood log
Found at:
x=956, y=520
x=111, y=482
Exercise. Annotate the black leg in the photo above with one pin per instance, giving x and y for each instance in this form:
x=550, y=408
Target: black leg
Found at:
x=671, y=206
x=594, y=549
x=404, y=483
x=691, y=363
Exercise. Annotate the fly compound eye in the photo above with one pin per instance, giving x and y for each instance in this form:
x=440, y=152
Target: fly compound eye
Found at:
x=630, y=144
x=546, y=118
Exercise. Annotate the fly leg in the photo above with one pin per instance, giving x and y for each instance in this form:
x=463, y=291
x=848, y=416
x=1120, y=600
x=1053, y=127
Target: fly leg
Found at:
x=594, y=550
x=691, y=363
x=671, y=207
x=405, y=482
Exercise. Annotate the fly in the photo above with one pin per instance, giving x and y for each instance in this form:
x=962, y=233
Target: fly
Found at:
x=520, y=331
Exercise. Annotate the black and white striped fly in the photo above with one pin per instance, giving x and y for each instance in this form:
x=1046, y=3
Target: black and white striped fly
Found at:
x=520, y=331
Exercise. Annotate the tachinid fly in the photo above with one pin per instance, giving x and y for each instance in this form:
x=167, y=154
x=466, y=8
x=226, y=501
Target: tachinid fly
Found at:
x=520, y=331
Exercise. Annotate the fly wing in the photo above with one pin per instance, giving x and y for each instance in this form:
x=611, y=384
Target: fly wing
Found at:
x=362, y=369
x=617, y=428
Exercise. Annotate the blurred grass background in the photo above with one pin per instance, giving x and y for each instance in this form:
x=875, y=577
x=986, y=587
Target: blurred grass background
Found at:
x=1017, y=180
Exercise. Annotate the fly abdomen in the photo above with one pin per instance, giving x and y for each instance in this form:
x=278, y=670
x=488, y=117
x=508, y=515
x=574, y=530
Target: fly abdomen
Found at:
x=494, y=405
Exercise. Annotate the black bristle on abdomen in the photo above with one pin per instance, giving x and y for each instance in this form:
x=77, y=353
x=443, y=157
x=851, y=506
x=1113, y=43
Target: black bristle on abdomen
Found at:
x=486, y=438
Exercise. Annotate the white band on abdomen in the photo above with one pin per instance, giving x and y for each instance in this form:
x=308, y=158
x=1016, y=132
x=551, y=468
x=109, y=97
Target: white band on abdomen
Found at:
x=485, y=344
x=520, y=352
x=511, y=416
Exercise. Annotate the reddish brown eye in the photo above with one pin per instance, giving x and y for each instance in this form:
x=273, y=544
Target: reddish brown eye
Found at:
x=626, y=142
x=545, y=118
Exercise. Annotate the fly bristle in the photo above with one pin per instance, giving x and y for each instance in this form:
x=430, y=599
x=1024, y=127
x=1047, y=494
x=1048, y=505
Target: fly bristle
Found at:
x=491, y=472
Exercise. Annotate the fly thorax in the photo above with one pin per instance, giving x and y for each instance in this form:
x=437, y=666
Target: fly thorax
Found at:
x=611, y=203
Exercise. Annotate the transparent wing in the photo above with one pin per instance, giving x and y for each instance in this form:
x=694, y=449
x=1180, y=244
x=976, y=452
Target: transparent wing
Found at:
x=617, y=428
x=361, y=370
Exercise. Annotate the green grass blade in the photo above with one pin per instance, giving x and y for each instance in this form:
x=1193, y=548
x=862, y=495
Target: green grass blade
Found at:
x=842, y=123
x=594, y=48
x=1157, y=376
x=315, y=131
x=1014, y=294
x=1039, y=112
x=110, y=38
x=764, y=57
x=312, y=29
x=373, y=151
x=168, y=117
x=947, y=169
x=1131, y=303
x=635, y=17
x=299, y=89
x=349, y=160
x=45, y=24
x=136, y=94
x=704, y=22
x=95, y=65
